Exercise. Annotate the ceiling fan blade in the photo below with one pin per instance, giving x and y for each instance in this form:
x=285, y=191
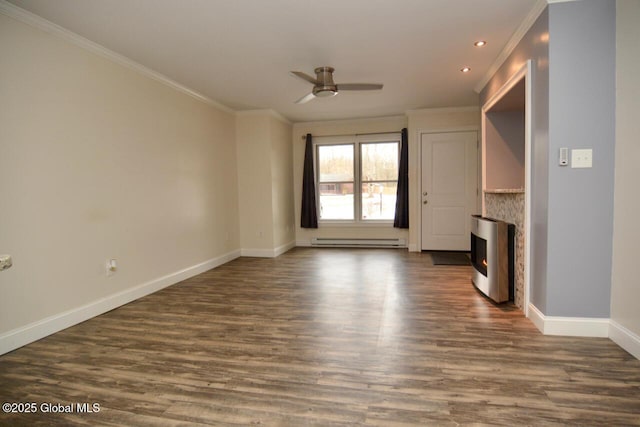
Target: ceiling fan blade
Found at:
x=308, y=97
x=359, y=86
x=304, y=76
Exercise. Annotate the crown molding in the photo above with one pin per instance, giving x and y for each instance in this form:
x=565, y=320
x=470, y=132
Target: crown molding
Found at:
x=280, y=117
x=349, y=121
x=517, y=36
x=470, y=108
x=265, y=111
x=49, y=27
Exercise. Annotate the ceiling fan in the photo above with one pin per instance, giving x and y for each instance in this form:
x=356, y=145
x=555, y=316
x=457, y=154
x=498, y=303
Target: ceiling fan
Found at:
x=324, y=86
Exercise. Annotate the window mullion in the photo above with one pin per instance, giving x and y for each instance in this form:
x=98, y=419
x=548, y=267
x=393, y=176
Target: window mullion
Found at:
x=316, y=154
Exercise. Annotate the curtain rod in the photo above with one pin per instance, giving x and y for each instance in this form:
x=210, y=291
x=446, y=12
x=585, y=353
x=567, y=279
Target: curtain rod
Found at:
x=353, y=134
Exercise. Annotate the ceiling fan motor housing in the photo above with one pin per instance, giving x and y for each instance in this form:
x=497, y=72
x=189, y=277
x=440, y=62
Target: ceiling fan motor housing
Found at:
x=326, y=86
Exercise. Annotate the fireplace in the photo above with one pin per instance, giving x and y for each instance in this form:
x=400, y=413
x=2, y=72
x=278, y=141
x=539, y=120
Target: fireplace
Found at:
x=492, y=256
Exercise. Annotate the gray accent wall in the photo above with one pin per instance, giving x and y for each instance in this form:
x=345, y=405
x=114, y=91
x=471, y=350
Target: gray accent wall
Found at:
x=534, y=45
x=572, y=48
x=581, y=115
x=505, y=149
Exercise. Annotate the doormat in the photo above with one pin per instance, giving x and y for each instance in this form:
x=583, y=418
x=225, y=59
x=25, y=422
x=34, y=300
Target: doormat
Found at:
x=450, y=258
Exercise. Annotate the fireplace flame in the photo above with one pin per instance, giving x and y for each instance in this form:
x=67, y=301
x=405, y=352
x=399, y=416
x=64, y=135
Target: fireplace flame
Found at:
x=484, y=262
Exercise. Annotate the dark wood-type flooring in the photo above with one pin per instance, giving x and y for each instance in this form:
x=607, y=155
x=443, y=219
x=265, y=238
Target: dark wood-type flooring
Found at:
x=322, y=337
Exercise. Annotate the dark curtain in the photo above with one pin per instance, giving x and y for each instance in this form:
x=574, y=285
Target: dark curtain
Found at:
x=402, y=197
x=309, y=213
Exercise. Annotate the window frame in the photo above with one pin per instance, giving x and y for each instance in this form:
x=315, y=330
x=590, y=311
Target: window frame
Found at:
x=356, y=141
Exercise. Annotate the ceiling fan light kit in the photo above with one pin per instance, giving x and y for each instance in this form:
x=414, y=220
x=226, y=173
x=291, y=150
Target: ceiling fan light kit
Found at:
x=324, y=86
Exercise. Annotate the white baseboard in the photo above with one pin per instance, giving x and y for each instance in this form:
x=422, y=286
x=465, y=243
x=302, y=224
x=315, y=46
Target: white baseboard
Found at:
x=23, y=335
x=258, y=253
x=624, y=338
x=413, y=247
x=284, y=248
x=536, y=317
x=569, y=326
x=267, y=253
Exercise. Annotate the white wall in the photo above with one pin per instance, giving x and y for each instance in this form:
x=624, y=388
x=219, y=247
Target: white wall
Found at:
x=339, y=127
x=430, y=121
x=254, y=181
x=625, y=291
x=265, y=183
x=282, y=185
x=97, y=162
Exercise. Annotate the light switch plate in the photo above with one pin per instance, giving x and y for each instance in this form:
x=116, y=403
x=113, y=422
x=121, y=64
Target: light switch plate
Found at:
x=582, y=158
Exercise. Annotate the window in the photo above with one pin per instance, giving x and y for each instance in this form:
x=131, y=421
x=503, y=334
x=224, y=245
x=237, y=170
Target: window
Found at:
x=357, y=178
x=379, y=165
x=336, y=181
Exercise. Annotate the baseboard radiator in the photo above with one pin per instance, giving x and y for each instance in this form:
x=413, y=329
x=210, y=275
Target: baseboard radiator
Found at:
x=358, y=243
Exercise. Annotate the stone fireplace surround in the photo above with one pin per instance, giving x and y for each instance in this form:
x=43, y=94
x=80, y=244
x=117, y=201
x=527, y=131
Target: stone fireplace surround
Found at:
x=508, y=205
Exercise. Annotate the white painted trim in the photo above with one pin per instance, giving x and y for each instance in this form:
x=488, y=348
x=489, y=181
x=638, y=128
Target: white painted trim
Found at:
x=415, y=225
x=418, y=192
x=267, y=253
x=34, y=331
x=525, y=72
x=510, y=83
x=467, y=109
x=517, y=36
x=280, y=117
x=417, y=247
x=528, y=171
x=40, y=23
x=284, y=248
x=265, y=111
x=357, y=121
x=536, y=317
x=257, y=253
x=577, y=326
x=569, y=326
x=624, y=338
x=467, y=128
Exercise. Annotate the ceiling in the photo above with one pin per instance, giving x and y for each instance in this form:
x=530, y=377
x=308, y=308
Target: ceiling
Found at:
x=239, y=53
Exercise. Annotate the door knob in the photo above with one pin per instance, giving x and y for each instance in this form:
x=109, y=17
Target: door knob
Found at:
x=425, y=193
x=425, y=202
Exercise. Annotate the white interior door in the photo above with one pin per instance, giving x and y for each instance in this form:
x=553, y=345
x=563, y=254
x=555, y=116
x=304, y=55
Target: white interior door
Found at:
x=449, y=189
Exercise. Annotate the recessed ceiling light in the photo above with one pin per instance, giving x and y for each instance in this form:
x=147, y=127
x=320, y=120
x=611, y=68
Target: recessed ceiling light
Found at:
x=480, y=43
x=465, y=69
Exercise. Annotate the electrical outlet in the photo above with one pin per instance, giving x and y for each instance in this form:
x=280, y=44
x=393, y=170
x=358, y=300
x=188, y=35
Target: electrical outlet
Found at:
x=111, y=267
x=5, y=262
